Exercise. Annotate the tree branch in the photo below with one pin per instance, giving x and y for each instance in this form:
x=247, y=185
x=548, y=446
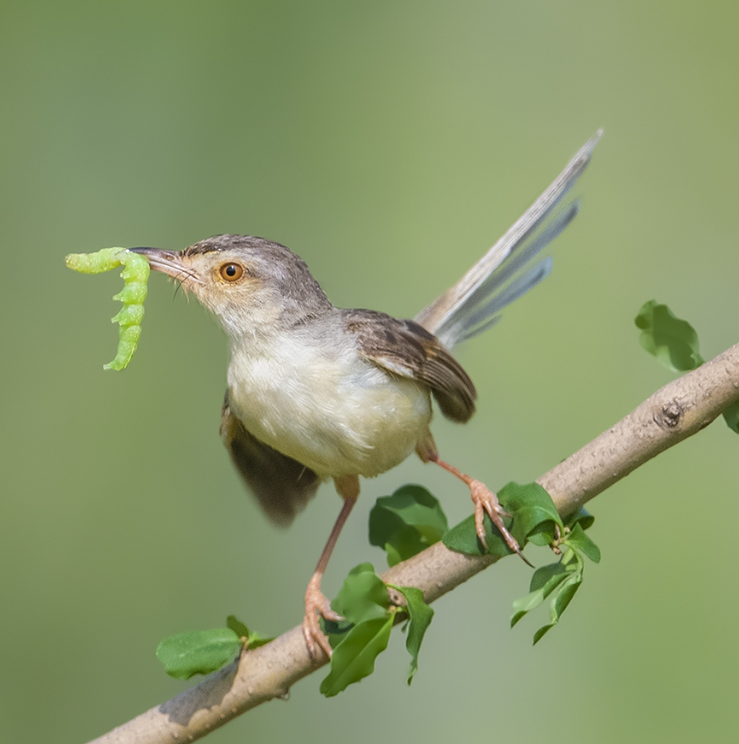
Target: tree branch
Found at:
x=677, y=411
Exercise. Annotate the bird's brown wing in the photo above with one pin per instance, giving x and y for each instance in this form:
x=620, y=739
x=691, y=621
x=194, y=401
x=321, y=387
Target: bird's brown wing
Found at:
x=282, y=485
x=406, y=349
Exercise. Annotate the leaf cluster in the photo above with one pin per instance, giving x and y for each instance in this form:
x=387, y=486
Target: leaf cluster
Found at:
x=534, y=518
x=369, y=616
x=561, y=579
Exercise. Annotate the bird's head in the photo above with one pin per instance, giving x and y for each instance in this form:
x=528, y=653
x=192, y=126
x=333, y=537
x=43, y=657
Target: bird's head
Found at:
x=249, y=283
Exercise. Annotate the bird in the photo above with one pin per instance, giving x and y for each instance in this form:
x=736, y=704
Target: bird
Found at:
x=316, y=392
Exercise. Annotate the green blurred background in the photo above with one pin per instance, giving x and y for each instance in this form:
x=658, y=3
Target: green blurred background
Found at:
x=389, y=144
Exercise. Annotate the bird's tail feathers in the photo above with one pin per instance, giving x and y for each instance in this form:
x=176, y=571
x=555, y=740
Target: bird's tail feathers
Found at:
x=505, y=272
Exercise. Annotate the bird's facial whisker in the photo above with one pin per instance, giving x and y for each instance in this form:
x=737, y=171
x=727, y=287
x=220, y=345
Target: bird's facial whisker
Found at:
x=179, y=286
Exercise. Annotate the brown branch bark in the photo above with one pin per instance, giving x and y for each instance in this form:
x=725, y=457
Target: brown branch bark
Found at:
x=677, y=411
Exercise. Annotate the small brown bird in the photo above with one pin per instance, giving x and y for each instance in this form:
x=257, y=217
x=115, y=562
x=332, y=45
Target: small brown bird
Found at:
x=317, y=392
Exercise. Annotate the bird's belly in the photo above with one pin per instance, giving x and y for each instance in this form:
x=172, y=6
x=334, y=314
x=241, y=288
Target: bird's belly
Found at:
x=356, y=421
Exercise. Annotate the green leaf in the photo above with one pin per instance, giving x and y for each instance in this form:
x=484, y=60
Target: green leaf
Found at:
x=570, y=557
x=542, y=535
x=563, y=599
x=531, y=506
x=419, y=619
x=534, y=517
x=560, y=603
x=335, y=629
x=363, y=596
x=673, y=341
x=578, y=540
x=547, y=578
x=354, y=658
x=463, y=538
x=253, y=639
x=562, y=579
x=406, y=523
x=542, y=631
x=731, y=416
x=394, y=553
x=582, y=517
x=524, y=605
x=237, y=626
x=201, y=652
x=544, y=581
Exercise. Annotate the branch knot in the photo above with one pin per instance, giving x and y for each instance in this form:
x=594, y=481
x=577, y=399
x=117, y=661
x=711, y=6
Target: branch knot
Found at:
x=670, y=415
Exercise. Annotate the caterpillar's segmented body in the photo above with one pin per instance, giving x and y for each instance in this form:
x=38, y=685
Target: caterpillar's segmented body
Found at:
x=135, y=275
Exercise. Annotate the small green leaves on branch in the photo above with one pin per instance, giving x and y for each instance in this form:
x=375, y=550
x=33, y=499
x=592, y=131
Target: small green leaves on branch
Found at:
x=562, y=579
x=204, y=651
x=369, y=616
x=406, y=523
x=409, y=520
x=535, y=519
x=135, y=276
x=364, y=602
x=675, y=343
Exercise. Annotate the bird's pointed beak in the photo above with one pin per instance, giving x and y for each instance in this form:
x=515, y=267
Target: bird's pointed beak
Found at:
x=170, y=263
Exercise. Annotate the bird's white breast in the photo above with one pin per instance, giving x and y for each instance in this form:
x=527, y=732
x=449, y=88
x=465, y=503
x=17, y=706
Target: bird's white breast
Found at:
x=329, y=409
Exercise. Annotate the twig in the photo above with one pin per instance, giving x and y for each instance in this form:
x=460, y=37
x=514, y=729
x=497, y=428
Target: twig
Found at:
x=672, y=414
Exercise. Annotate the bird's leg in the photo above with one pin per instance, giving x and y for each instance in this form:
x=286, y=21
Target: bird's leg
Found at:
x=485, y=501
x=316, y=602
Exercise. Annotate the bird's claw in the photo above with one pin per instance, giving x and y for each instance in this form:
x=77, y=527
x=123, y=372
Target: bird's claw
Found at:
x=317, y=604
x=486, y=502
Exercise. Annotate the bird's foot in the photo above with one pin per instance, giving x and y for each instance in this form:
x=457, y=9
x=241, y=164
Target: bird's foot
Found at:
x=317, y=604
x=486, y=502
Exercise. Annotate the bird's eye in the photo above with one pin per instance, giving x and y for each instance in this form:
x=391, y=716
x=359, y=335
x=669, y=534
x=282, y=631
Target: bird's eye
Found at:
x=231, y=272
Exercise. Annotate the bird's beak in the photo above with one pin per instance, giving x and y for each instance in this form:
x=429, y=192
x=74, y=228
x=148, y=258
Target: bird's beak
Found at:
x=168, y=262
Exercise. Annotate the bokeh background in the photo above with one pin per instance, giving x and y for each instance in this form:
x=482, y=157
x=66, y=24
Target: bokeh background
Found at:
x=388, y=143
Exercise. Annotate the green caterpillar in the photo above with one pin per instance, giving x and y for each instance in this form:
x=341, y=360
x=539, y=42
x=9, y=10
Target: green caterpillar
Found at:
x=135, y=275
